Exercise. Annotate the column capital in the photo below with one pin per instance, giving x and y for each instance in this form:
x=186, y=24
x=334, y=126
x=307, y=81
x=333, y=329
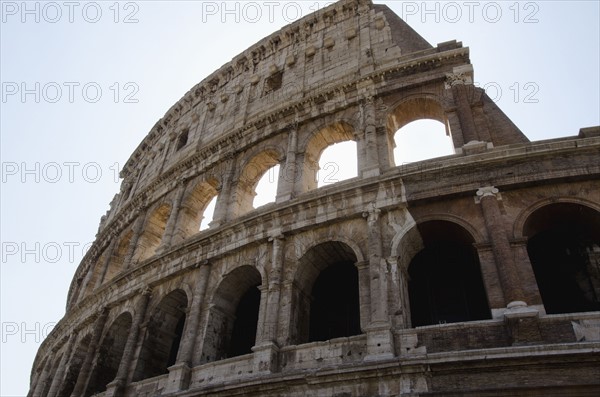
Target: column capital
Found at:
x=371, y=213
x=453, y=79
x=487, y=191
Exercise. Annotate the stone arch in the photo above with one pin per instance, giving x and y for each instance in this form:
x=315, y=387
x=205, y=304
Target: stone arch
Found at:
x=316, y=143
x=119, y=254
x=563, y=244
x=415, y=108
x=233, y=315
x=74, y=365
x=154, y=228
x=163, y=335
x=250, y=174
x=445, y=282
x=108, y=356
x=193, y=205
x=314, y=315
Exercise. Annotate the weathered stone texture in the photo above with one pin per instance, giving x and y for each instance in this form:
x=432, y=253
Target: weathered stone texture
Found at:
x=474, y=274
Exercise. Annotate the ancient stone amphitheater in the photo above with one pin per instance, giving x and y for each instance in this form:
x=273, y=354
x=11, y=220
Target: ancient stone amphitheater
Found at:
x=474, y=274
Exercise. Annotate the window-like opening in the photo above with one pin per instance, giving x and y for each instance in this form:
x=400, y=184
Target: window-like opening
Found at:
x=335, y=308
x=243, y=335
x=326, y=294
x=273, y=82
x=163, y=336
x=564, y=250
x=337, y=163
x=421, y=140
x=208, y=214
x=266, y=189
x=182, y=140
x=233, y=317
x=153, y=232
x=72, y=371
x=109, y=355
x=115, y=266
x=445, y=283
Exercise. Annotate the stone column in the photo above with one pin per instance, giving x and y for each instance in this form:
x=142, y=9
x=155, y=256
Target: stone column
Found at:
x=223, y=204
x=509, y=277
x=266, y=349
x=180, y=373
x=460, y=85
x=172, y=221
x=106, y=263
x=369, y=164
x=60, y=371
x=86, y=368
x=42, y=380
x=364, y=291
x=116, y=388
x=138, y=228
x=379, y=336
x=289, y=173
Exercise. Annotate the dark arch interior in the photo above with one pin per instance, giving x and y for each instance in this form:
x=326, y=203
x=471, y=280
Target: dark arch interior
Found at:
x=334, y=308
x=445, y=283
x=163, y=335
x=243, y=335
x=109, y=355
x=564, y=250
x=72, y=371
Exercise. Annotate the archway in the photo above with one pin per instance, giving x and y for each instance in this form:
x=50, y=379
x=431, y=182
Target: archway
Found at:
x=564, y=250
x=259, y=166
x=421, y=140
x=445, y=283
x=153, y=232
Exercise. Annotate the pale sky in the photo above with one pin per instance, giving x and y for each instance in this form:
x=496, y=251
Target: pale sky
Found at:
x=83, y=84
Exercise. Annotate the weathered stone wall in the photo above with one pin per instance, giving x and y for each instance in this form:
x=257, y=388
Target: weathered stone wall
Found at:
x=154, y=302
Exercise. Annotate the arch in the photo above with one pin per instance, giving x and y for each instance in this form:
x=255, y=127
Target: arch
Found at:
x=153, y=232
x=163, y=336
x=74, y=365
x=564, y=250
x=233, y=316
x=250, y=175
x=408, y=142
x=325, y=297
x=326, y=136
x=192, y=208
x=108, y=356
x=445, y=283
x=416, y=107
x=117, y=261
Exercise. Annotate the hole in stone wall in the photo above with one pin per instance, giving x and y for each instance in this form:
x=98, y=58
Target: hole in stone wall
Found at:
x=182, y=140
x=421, y=140
x=243, y=335
x=208, y=214
x=266, y=189
x=337, y=163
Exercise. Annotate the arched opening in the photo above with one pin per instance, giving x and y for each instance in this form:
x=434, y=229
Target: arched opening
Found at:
x=337, y=163
x=421, y=140
x=564, y=250
x=326, y=294
x=109, y=355
x=153, y=232
x=445, y=283
x=266, y=188
x=194, y=213
x=233, y=317
x=163, y=336
x=73, y=367
x=259, y=167
x=117, y=261
x=322, y=167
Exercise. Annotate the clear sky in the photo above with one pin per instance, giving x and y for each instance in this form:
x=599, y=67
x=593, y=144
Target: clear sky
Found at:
x=83, y=83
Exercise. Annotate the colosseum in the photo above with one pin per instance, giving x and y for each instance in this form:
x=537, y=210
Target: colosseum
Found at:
x=472, y=274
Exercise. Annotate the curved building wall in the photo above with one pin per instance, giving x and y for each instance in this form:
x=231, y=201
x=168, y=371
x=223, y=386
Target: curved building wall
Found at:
x=439, y=262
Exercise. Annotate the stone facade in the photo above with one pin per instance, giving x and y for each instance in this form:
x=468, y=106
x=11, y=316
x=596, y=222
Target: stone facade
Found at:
x=472, y=274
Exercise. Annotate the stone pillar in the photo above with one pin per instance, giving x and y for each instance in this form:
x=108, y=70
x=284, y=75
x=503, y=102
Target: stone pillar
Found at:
x=364, y=291
x=172, y=221
x=491, y=279
x=266, y=349
x=223, y=204
x=106, y=263
x=379, y=336
x=86, y=368
x=116, y=388
x=460, y=85
x=60, y=371
x=289, y=173
x=398, y=285
x=369, y=164
x=180, y=373
x=509, y=277
x=138, y=228
x=42, y=380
